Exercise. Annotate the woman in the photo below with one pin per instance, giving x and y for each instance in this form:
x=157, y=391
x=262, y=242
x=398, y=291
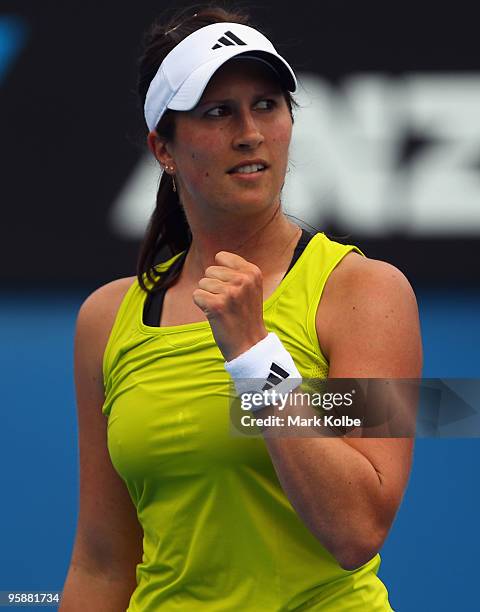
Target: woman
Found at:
x=189, y=517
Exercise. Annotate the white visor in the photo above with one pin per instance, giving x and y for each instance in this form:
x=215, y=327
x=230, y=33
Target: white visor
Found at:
x=185, y=72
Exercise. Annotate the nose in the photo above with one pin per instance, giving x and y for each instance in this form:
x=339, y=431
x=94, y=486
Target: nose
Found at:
x=248, y=135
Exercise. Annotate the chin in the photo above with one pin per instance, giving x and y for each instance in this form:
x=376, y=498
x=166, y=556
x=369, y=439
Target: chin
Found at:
x=251, y=204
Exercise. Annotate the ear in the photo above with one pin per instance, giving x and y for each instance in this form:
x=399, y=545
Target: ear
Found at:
x=159, y=147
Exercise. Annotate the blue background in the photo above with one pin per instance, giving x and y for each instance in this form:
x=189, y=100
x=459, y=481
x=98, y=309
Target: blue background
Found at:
x=429, y=560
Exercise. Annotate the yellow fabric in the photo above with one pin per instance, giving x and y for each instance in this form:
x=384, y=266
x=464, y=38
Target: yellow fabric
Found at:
x=219, y=533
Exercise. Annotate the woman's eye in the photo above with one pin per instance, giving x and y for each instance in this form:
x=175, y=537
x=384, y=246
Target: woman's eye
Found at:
x=223, y=110
x=217, y=111
x=265, y=104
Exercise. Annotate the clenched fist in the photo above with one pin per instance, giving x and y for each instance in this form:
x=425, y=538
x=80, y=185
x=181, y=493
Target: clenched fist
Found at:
x=231, y=296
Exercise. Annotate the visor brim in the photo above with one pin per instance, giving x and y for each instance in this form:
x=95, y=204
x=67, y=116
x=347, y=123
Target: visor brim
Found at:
x=191, y=90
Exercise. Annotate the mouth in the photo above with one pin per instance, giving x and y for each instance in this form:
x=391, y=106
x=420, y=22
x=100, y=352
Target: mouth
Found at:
x=248, y=177
x=249, y=168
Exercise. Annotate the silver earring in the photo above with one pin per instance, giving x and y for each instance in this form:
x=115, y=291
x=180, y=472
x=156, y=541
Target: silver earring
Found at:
x=171, y=168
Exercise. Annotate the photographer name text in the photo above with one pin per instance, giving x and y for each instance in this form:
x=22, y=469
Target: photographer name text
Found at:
x=249, y=420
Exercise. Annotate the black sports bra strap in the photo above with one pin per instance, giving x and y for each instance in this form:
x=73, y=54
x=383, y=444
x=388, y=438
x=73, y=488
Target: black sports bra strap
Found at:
x=154, y=302
x=301, y=244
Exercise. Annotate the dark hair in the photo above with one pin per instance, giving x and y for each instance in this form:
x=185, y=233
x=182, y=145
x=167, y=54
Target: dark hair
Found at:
x=168, y=228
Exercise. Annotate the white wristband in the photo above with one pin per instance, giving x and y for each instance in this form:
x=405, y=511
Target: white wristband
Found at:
x=264, y=367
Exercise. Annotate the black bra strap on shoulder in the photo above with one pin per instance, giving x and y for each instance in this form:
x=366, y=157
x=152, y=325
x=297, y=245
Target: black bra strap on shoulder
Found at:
x=154, y=301
x=301, y=244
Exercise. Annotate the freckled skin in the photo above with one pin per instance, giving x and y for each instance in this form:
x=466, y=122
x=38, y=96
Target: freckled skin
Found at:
x=250, y=119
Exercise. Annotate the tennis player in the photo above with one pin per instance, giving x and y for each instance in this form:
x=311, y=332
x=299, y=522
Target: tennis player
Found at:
x=176, y=514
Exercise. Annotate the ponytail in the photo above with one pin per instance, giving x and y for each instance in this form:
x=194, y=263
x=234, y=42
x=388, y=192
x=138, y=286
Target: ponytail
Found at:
x=167, y=230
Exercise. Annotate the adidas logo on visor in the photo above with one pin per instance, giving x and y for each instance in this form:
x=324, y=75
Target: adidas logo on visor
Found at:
x=276, y=376
x=228, y=39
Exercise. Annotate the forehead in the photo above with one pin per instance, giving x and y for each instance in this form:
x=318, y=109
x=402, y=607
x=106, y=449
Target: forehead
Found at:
x=240, y=75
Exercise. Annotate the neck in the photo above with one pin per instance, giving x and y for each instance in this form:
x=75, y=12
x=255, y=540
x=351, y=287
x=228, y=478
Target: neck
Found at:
x=263, y=242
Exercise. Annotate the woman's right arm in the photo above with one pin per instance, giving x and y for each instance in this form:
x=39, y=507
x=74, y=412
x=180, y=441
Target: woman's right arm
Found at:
x=108, y=542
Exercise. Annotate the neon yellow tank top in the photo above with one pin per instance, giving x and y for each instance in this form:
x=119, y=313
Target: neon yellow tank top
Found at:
x=220, y=534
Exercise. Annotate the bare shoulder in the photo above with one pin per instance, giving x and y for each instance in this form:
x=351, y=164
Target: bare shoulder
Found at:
x=369, y=303
x=105, y=301
x=97, y=315
x=357, y=277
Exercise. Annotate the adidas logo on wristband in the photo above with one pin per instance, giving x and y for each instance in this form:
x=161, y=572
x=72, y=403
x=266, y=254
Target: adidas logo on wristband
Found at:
x=249, y=370
x=276, y=376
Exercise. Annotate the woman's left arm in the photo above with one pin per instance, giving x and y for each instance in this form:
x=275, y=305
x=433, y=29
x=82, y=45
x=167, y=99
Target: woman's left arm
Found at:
x=347, y=490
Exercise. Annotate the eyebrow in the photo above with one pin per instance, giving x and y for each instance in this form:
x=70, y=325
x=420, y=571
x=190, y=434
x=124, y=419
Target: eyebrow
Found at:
x=260, y=96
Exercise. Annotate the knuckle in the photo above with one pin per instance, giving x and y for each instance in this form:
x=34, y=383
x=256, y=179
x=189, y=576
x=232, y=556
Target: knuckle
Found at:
x=241, y=279
x=237, y=279
x=256, y=273
x=251, y=278
x=216, y=306
x=209, y=271
x=234, y=292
